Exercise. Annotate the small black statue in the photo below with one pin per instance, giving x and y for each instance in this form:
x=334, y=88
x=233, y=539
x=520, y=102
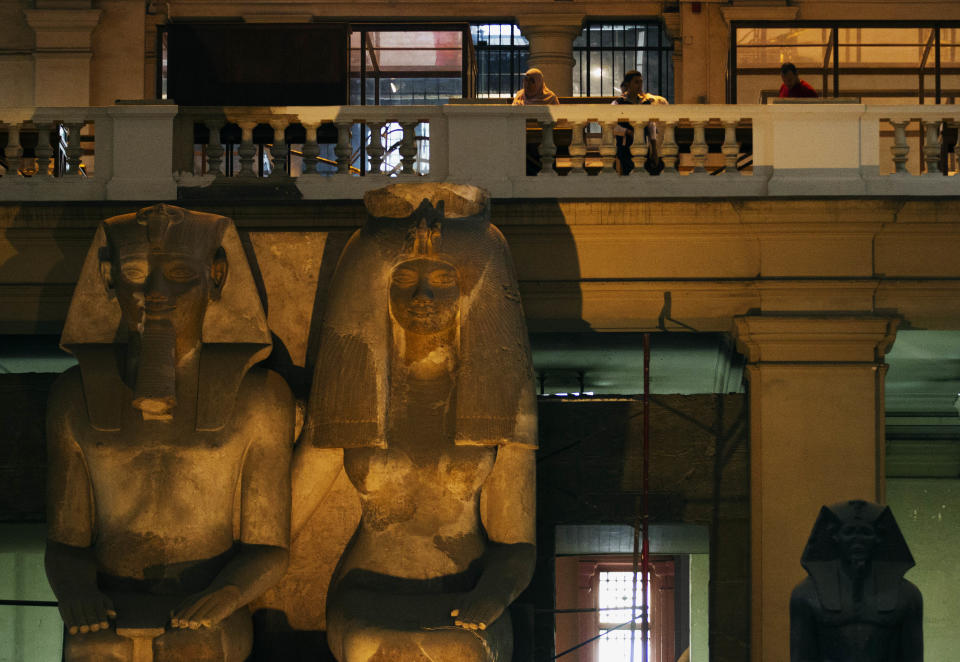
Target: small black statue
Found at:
x=855, y=606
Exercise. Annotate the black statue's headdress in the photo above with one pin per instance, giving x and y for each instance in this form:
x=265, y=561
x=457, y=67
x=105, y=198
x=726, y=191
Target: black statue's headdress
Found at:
x=822, y=556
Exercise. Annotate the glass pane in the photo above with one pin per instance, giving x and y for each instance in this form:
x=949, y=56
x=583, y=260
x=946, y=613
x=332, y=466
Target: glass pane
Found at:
x=397, y=52
x=949, y=47
x=615, y=590
x=615, y=647
x=771, y=47
x=885, y=47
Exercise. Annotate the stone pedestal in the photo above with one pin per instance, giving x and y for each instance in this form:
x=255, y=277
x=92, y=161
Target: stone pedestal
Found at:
x=63, y=52
x=551, y=47
x=816, y=436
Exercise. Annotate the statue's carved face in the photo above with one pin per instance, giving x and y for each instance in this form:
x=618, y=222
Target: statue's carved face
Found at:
x=424, y=295
x=154, y=285
x=857, y=541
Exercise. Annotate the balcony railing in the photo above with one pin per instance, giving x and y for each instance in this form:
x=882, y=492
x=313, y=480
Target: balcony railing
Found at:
x=155, y=152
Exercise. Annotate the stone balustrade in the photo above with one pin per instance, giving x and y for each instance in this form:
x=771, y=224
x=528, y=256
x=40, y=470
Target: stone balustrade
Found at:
x=147, y=152
x=121, y=152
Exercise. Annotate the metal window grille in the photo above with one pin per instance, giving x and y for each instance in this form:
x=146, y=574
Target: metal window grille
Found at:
x=502, y=54
x=605, y=51
x=614, y=600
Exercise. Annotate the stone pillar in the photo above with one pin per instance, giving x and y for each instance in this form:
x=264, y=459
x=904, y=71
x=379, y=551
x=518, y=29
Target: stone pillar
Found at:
x=816, y=437
x=673, y=27
x=551, y=47
x=62, y=57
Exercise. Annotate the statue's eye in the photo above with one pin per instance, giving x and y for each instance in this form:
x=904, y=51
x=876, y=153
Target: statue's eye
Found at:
x=179, y=271
x=405, y=277
x=134, y=273
x=443, y=278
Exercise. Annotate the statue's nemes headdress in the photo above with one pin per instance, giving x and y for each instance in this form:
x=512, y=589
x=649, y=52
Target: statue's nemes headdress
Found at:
x=234, y=334
x=822, y=555
x=495, y=398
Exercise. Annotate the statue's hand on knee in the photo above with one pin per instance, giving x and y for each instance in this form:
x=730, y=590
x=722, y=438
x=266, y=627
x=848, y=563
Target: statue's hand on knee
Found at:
x=87, y=612
x=477, y=612
x=207, y=609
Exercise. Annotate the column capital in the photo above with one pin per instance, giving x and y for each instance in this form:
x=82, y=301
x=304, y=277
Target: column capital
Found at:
x=812, y=339
x=63, y=29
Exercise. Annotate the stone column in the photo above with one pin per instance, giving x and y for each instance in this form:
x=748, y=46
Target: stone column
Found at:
x=62, y=58
x=816, y=437
x=551, y=47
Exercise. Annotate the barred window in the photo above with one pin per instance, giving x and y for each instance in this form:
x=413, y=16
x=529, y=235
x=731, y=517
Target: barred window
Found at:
x=605, y=51
x=502, y=54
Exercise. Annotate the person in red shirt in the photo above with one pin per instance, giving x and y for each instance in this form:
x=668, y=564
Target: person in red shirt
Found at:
x=792, y=85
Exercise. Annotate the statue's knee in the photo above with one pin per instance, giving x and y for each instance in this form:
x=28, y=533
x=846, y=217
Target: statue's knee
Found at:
x=103, y=646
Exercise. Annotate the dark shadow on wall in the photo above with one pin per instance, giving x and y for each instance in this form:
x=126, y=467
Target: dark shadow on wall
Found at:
x=299, y=377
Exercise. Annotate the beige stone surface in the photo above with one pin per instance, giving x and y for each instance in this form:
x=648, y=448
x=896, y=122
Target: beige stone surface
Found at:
x=117, y=66
x=290, y=265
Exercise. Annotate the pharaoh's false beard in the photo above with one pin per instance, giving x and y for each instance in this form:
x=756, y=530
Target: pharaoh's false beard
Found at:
x=154, y=393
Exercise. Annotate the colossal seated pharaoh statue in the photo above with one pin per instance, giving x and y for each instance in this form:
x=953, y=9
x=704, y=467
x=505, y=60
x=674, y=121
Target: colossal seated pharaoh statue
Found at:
x=856, y=606
x=424, y=394
x=169, y=455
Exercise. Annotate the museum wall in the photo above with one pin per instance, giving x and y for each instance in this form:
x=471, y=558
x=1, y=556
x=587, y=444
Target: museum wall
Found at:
x=926, y=511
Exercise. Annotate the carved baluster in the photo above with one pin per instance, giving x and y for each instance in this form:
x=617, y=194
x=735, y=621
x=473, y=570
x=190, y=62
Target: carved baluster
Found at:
x=731, y=148
x=375, y=147
x=74, y=151
x=13, y=151
x=931, y=147
x=900, y=149
x=670, y=148
x=44, y=150
x=608, y=147
x=639, y=150
x=279, y=149
x=247, y=151
x=408, y=148
x=578, y=148
x=343, y=149
x=214, y=148
x=699, y=149
x=547, y=150
x=310, y=148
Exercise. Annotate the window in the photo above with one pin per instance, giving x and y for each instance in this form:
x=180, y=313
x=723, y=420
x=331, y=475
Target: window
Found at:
x=595, y=609
x=615, y=600
x=410, y=65
x=502, y=54
x=883, y=63
x=605, y=51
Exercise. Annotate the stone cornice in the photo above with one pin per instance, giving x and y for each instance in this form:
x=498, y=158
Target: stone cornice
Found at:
x=814, y=339
x=63, y=29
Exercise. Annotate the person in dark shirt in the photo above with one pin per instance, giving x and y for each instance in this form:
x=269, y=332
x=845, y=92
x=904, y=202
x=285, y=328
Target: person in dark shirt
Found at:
x=632, y=93
x=793, y=86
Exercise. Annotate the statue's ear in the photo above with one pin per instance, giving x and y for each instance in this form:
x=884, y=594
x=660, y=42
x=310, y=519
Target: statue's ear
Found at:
x=218, y=273
x=106, y=270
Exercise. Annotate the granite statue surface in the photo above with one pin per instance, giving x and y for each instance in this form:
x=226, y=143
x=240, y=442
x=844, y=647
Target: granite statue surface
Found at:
x=424, y=394
x=855, y=605
x=169, y=451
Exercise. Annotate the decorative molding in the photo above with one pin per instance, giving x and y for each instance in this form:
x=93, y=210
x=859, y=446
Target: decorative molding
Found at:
x=64, y=30
x=821, y=339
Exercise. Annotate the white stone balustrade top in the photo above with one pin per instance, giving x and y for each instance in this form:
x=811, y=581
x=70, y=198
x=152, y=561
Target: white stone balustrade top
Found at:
x=144, y=152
